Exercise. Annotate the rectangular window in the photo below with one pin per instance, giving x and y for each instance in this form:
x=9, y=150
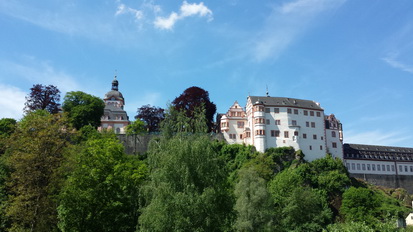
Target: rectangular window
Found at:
x=240, y=124
x=277, y=122
x=313, y=124
x=334, y=145
x=277, y=110
x=318, y=114
x=285, y=134
x=295, y=133
x=294, y=122
x=267, y=121
x=275, y=133
x=305, y=112
x=314, y=136
x=295, y=111
x=405, y=168
x=368, y=167
x=400, y=168
x=289, y=111
x=259, y=132
x=353, y=166
x=304, y=136
x=322, y=138
x=411, y=168
x=307, y=124
x=373, y=167
x=321, y=147
x=240, y=136
x=333, y=134
x=311, y=148
x=383, y=167
x=358, y=166
x=311, y=113
x=267, y=110
x=248, y=134
x=392, y=168
x=363, y=166
x=378, y=167
x=232, y=136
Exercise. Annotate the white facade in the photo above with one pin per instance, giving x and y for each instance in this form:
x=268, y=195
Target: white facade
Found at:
x=280, y=122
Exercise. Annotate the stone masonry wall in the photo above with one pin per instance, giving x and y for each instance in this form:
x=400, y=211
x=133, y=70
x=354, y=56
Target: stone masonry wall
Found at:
x=390, y=181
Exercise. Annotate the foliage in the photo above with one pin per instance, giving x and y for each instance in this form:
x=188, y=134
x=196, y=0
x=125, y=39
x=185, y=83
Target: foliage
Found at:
x=360, y=204
x=253, y=202
x=177, y=122
x=387, y=226
x=102, y=191
x=42, y=97
x=34, y=157
x=4, y=175
x=193, y=98
x=188, y=186
x=7, y=127
x=83, y=109
x=281, y=156
x=152, y=116
x=136, y=127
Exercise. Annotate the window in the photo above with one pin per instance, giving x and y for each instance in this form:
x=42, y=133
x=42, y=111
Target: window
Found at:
x=334, y=145
x=368, y=167
x=232, y=136
x=248, y=134
x=259, y=120
x=295, y=111
x=305, y=112
x=411, y=168
x=304, y=136
x=313, y=124
x=378, y=167
x=311, y=113
x=288, y=111
x=322, y=138
x=294, y=122
x=285, y=134
x=267, y=110
x=277, y=110
x=307, y=124
x=239, y=114
x=363, y=166
x=311, y=148
x=392, y=168
x=295, y=133
x=321, y=147
x=314, y=136
x=373, y=167
x=259, y=108
x=275, y=133
x=267, y=121
x=277, y=122
x=240, y=124
x=333, y=134
x=383, y=167
x=400, y=168
x=240, y=136
x=318, y=114
x=405, y=168
x=259, y=132
x=358, y=166
x=353, y=166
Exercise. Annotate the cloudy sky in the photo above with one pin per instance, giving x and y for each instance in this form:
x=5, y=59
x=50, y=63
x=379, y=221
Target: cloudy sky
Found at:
x=354, y=57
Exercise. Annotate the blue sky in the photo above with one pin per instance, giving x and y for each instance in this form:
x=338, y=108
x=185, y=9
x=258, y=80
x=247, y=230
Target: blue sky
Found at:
x=354, y=57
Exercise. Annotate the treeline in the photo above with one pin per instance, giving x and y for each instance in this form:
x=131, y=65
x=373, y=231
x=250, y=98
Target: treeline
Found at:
x=56, y=178
x=58, y=173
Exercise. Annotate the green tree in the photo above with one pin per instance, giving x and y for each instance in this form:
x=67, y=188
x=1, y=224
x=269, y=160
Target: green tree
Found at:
x=135, y=127
x=253, y=205
x=102, y=190
x=188, y=188
x=83, y=109
x=34, y=157
x=7, y=127
x=360, y=205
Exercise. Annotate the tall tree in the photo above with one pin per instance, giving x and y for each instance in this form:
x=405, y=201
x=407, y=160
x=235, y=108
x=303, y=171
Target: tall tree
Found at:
x=102, y=191
x=34, y=157
x=7, y=127
x=42, y=97
x=192, y=98
x=188, y=190
x=83, y=109
x=152, y=116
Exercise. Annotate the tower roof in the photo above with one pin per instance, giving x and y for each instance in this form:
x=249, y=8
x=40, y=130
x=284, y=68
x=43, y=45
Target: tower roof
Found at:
x=114, y=93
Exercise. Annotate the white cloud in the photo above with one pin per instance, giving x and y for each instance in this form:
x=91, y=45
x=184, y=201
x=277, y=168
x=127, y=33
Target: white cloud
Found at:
x=186, y=10
x=11, y=102
x=286, y=23
x=122, y=9
x=392, y=61
x=378, y=137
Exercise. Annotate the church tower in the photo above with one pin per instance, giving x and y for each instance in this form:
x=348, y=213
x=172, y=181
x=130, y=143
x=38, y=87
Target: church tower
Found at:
x=114, y=116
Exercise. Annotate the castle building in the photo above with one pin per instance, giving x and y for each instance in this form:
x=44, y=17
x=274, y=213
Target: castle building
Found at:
x=114, y=117
x=278, y=122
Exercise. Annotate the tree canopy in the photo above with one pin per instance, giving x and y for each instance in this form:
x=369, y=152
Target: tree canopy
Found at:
x=83, y=109
x=192, y=98
x=42, y=97
x=152, y=116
